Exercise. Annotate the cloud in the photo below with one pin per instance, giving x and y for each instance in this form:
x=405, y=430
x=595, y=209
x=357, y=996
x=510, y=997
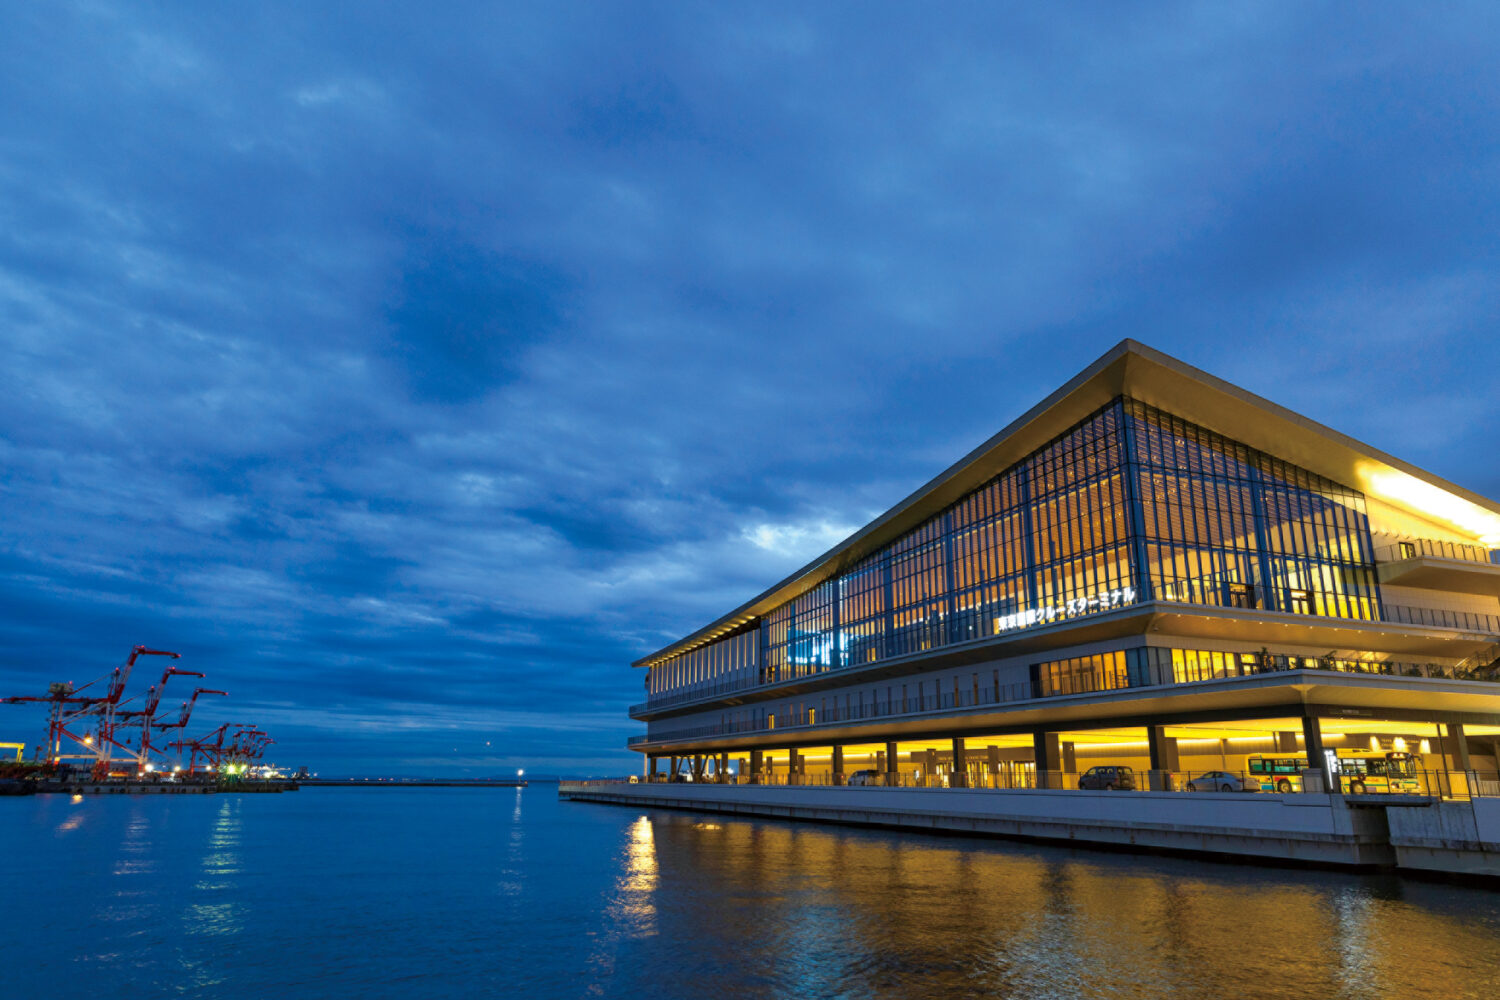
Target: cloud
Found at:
x=414, y=375
x=797, y=541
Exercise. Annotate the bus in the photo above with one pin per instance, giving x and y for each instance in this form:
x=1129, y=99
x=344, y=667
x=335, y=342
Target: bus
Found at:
x=1276, y=774
x=1359, y=772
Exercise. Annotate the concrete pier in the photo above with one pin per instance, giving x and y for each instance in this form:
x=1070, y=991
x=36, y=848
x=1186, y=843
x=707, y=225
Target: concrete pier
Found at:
x=1455, y=838
x=162, y=788
x=1308, y=828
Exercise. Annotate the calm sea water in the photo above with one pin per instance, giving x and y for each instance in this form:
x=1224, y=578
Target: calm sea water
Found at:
x=334, y=893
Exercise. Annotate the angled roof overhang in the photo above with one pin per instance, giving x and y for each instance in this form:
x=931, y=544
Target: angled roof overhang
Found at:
x=1133, y=369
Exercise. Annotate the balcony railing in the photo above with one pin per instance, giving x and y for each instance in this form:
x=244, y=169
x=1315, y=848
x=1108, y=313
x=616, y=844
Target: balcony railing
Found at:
x=698, y=693
x=1410, y=548
x=1442, y=618
x=1442, y=783
x=1153, y=675
x=1432, y=617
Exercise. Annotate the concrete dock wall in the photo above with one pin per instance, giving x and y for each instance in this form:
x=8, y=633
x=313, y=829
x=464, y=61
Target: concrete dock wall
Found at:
x=1460, y=837
x=1309, y=828
x=161, y=788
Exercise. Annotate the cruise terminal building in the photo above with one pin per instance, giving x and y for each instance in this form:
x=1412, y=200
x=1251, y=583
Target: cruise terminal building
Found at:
x=1151, y=568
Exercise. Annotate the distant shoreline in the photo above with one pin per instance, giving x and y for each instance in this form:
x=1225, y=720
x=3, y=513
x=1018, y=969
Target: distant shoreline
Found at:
x=412, y=783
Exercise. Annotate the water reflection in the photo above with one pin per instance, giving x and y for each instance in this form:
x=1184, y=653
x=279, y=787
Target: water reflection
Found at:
x=135, y=856
x=391, y=894
x=511, y=879
x=632, y=910
x=213, y=910
x=75, y=819
x=845, y=913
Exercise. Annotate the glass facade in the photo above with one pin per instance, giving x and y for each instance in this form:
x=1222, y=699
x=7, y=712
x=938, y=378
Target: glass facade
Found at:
x=1083, y=674
x=1130, y=504
x=1226, y=525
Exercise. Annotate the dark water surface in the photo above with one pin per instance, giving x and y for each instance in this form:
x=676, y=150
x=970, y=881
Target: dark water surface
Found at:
x=334, y=893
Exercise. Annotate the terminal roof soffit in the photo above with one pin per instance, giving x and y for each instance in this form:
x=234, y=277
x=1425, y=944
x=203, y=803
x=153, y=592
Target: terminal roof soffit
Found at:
x=1132, y=369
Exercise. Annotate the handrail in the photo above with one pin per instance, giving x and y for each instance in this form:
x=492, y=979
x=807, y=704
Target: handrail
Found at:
x=1398, y=549
x=1440, y=783
x=1395, y=613
x=1443, y=618
x=1008, y=694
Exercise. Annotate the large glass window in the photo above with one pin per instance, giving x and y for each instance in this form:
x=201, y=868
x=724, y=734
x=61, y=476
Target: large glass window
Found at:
x=1083, y=674
x=1227, y=525
x=1130, y=504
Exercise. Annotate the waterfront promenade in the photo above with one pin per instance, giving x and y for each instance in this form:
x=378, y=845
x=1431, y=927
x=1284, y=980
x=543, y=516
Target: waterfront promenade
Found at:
x=1419, y=833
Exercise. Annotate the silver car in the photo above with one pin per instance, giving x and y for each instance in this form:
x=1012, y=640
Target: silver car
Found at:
x=1217, y=781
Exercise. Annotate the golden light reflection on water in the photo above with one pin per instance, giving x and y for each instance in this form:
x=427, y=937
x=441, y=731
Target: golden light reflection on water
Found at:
x=74, y=821
x=852, y=913
x=634, y=905
x=631, y=911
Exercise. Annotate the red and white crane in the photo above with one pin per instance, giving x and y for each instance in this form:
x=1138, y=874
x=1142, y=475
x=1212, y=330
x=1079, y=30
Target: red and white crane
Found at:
x=140, y=746
x=99, y=728
x=182, y=719
x=71, y=711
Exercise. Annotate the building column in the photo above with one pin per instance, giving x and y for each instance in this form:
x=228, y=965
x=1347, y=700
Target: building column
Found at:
x=838, y=765
x=892, y=765
x=697, y=767
x=675, y=765
x=1312, y=739
x=793, y=768
x=1046, y=752
x=960, y=776
x=929, y=765
x=651, y=766
x=992, y=758
x=1460, y=746
x=1164, y=758
x=757, y=764
x=721, y=771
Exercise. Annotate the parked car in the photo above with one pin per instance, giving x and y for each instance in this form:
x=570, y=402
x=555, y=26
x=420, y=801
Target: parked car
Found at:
x=868, y=776
x=1218, y=781
x=1108, y=777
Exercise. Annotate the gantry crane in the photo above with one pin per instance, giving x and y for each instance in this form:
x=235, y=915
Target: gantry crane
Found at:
x=98, y=727
x=210, y=747
x=70, y=710
x=140, y=746
x=185, y=714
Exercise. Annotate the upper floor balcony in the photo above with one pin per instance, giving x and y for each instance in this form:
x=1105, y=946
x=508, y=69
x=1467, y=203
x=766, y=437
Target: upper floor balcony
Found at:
x=1146, y=678
x=1437, y=565
x=1432, y=633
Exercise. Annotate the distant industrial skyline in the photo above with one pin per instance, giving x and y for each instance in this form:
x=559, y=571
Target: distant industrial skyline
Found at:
x=412, y=373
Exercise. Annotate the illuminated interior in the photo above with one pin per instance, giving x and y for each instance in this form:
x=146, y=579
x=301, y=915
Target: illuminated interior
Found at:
x=1150, y=536
x=1130, y=505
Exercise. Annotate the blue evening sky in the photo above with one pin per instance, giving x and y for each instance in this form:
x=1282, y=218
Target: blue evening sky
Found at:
x=412, y=369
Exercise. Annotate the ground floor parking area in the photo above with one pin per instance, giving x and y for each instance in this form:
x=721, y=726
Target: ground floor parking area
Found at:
x=1286, y=754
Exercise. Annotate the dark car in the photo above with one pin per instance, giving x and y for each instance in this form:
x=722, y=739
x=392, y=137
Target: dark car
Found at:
x=1108, y=777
